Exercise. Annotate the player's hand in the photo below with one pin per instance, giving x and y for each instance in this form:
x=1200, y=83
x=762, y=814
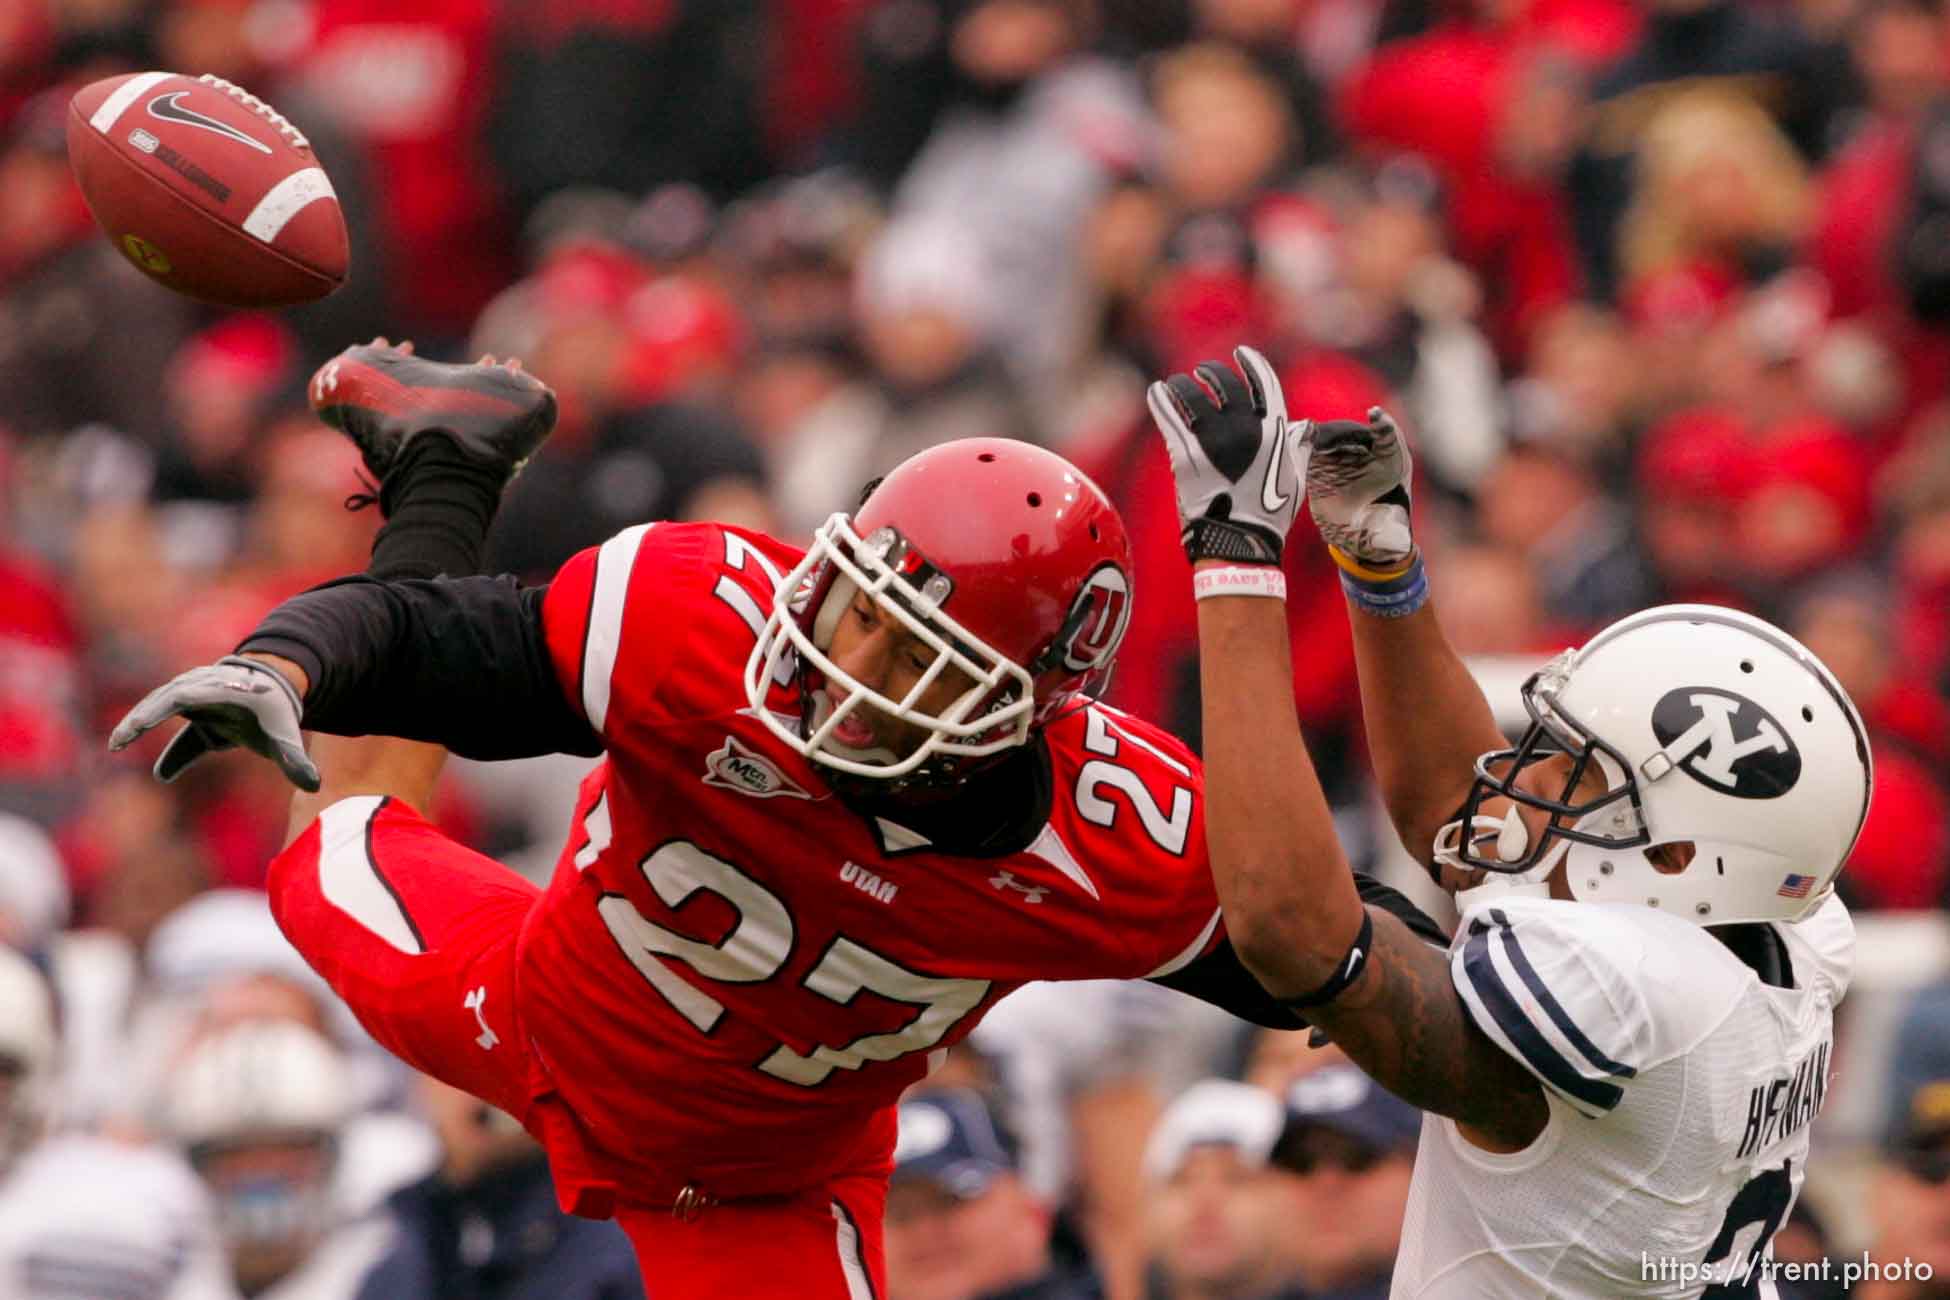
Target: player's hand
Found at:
x=235, y=701
x=1358, y=489
x=1239, y=466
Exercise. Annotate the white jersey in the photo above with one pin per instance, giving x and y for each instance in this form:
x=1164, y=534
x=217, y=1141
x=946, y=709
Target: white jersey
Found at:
x=1681, y=1089
x=86, y=1218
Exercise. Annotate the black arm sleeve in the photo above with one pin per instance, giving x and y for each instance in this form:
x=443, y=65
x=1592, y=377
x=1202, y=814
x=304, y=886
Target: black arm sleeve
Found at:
x=1219, y=977
x=461, y=662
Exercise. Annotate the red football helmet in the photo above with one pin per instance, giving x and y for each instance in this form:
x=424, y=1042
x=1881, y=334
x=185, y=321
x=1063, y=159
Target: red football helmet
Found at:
x=999, y=555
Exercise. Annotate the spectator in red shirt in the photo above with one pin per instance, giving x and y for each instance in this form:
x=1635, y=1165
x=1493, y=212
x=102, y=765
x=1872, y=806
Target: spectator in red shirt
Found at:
x=1693, y=470
x=1900, y=48
x=1915, y=490
x=412, y=88
x=1899, y=859
x=1849, y=624
x=26, y=41
x=1494, y=100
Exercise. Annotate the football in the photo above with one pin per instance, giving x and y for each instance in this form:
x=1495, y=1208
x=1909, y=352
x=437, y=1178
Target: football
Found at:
x=207, y=189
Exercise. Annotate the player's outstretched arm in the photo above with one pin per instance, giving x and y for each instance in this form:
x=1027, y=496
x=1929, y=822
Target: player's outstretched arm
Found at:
x=247, y=701
x=1358, y=974
x=459, y=662
x=1426, y=718
x=1289, y=897
x=399, y=651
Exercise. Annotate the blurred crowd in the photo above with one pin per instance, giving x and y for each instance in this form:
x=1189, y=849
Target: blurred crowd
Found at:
x=1659, y=288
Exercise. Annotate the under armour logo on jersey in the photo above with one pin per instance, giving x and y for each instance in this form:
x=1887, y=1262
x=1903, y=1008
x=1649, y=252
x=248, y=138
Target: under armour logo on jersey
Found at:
x=326, y=382
x=1725, y=742
x=1007, y=880
x=474, y=1001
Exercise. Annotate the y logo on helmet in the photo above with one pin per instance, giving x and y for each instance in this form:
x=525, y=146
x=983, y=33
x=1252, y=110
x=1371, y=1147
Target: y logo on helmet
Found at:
x=1726, y=742
x=1098, y=619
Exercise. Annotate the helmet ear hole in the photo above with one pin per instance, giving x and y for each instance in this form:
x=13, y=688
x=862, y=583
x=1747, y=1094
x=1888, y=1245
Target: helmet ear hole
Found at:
x=1672, y=858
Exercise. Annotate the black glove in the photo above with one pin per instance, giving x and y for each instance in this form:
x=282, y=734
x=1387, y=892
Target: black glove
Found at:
x=1240, y=467
x=234, y=701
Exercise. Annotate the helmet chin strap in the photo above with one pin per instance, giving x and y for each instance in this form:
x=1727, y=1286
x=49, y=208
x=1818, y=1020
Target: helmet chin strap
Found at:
x=1512, y=839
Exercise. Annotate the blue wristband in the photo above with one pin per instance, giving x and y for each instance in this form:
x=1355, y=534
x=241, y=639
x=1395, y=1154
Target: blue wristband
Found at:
x=1395, y=597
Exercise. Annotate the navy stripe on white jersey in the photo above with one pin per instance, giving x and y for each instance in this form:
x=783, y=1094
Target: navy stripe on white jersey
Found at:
x=1519, y=1012
x=1586, y=1048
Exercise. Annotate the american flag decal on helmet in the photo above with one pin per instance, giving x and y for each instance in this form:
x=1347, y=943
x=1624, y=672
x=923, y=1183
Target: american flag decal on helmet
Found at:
x=1796, y=886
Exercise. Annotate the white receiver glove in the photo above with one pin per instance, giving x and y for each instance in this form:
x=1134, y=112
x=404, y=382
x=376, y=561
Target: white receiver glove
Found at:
x=1240, y=467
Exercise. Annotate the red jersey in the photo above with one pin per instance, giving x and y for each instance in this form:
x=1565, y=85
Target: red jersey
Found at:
x=734, y=974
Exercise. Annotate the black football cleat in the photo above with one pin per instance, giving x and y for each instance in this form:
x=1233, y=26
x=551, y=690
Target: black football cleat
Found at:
x=382, y=396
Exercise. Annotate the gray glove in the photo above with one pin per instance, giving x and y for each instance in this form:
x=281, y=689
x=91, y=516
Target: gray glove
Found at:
x=234, y=701
x=1239, y=466
x=1358, y=489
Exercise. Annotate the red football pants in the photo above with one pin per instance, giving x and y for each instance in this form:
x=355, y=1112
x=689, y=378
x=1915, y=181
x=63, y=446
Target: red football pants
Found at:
x=417, y=933
x=825, y=1244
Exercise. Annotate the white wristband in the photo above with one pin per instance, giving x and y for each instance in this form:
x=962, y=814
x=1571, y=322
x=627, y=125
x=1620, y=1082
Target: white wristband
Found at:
x=1239, y=580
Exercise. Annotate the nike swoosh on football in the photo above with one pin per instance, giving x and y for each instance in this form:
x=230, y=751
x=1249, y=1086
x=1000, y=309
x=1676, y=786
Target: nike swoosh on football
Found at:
x=1271, y=499
x=165, y=107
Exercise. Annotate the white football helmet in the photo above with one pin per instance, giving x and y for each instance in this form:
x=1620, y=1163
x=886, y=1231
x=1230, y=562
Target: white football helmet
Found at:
x=1710, y=727
x=255, y=1081
x=261, y=1083
x=1001, y=558
x=27, y=1055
